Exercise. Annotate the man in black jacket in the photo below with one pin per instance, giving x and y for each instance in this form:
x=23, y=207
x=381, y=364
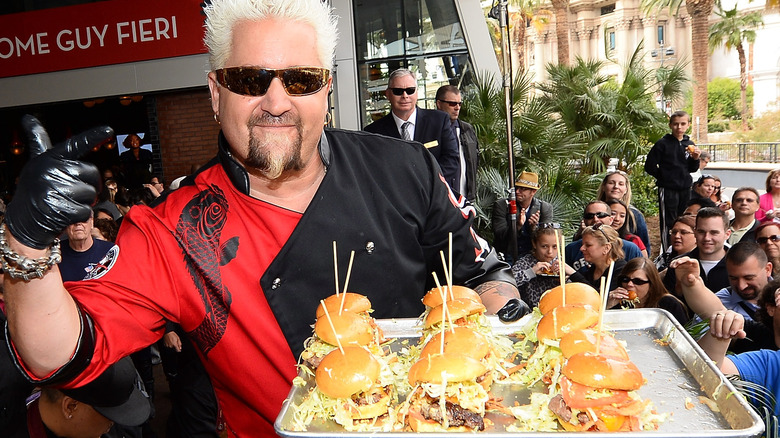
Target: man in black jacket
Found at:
x=241, y=253
x=530, y=213
x=671, y=161
x=448, y=100
x=429, y=127
x=712, y=231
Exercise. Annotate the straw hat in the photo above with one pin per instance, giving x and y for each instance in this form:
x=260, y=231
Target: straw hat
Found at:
x=528, y=180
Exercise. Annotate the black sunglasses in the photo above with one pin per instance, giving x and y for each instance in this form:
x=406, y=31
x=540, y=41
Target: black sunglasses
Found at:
x=400, y=91
x=254, y=81
x=451, y=102
x=600, y=215
x=550, y=225
x=763, y=240
x=636, y=281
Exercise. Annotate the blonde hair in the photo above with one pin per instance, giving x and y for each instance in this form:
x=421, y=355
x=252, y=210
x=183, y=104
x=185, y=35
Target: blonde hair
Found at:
x=606, y=235
x=223, y=15
x=601, y=195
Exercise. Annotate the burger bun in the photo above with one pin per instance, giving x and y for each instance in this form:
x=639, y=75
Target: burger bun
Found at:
x=565, y=319
x=353, y=302
x=576, y=293
x=598, y=371
x=341, y=375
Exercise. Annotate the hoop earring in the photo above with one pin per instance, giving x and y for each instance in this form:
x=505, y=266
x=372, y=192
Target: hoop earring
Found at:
x=328, y=119
x=216, y=119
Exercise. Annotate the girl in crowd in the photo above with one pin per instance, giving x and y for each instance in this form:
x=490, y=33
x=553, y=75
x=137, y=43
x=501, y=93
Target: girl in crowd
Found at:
x=641, y=287
x=717, y=195
x=601, y=246
x=704, y=187
x=621, y=216
x=682, y=239
x=616, y=185
x=769, y=202
x=768, y=238
x=537, y=271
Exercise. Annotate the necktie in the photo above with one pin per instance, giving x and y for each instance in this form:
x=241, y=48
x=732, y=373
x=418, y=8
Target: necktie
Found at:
x=405, y=131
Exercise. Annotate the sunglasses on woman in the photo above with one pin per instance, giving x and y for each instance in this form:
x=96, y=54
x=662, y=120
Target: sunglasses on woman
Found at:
x=636, y=281
x=255, y=81
x=764, y=240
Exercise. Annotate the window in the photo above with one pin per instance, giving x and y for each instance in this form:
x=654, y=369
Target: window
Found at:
x=424, y=36
x=608, y=9
x=661, y=36
x=611, y=39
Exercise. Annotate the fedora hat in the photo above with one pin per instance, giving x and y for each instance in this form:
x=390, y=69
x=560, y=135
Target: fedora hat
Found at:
x=528, y=180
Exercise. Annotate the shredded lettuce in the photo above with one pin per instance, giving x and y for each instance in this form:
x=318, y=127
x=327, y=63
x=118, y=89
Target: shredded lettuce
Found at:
x=535, y=416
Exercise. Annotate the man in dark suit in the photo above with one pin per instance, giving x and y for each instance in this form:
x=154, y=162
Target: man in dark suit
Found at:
x=448, y=100
x=743, y=226
x=408, y=122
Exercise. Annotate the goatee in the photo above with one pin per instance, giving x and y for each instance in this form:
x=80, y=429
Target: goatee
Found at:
x=273, y=153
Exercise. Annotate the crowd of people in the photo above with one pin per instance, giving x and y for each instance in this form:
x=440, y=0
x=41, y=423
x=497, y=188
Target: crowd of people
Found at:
x=716, y=262
x=210, y=277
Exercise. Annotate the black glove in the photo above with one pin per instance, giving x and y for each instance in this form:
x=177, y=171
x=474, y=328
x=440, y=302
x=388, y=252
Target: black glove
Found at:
x=513, y=310
x=55, y=189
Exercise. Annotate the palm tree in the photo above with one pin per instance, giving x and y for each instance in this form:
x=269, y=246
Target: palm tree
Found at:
x=561, y=8
x=612, y=120
x=700, y=11
x=521, y=13
x=732, y=29
x=540, y=144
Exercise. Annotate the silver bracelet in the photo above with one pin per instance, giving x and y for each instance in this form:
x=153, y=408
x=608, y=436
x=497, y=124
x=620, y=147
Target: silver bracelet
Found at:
x=18, y=266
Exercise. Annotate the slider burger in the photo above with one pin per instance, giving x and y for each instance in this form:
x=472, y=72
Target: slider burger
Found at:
x=564, y=319
x=598, y=393
x=353, y=302
x=586, y=340
x=463, y=340
x=461, y=311
x=433, y=297
x=351, y=329
x=576, y=293
x=448, y=380
x=356, y=396
x=545, y=362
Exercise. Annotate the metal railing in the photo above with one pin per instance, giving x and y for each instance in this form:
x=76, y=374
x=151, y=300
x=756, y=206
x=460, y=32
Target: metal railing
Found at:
x=743, y=152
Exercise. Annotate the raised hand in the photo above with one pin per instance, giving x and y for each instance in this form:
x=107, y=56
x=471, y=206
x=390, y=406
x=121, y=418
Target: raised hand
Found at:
x=55, y=189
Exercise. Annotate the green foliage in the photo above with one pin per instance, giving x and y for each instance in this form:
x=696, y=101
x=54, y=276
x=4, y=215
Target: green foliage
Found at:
x=733, y=28
x=568, y=132
x=723, y=98
x=643, y=190
x=765, y=128
x=610, y=119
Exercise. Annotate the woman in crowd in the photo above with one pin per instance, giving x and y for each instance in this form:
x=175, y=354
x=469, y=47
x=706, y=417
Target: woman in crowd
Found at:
x=621, y=216
x=537, y=272
x=601, y=246
x=682, y=240
x=768, y=238
x=769, y=202
x=641, y=287
x=616, y=185
x=704, y=187
x=717, y=195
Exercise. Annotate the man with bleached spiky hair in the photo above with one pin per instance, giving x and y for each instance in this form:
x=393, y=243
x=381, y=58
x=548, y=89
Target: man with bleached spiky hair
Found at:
x=241, y=253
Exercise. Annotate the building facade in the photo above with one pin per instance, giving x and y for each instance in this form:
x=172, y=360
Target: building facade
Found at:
x=140, y=67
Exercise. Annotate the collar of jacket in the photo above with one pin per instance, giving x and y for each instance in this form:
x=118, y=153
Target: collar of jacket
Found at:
x=238, y=175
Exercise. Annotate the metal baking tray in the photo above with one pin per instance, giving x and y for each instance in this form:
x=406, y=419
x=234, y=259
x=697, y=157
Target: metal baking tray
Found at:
x=676, y=369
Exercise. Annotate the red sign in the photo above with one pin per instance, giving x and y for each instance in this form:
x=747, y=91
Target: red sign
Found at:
x=100, y=33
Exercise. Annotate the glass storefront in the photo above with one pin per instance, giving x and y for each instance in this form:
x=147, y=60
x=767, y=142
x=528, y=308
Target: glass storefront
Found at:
x=424, y=36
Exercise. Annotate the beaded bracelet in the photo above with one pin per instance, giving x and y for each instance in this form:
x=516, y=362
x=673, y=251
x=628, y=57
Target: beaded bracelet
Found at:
x=18, y=266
